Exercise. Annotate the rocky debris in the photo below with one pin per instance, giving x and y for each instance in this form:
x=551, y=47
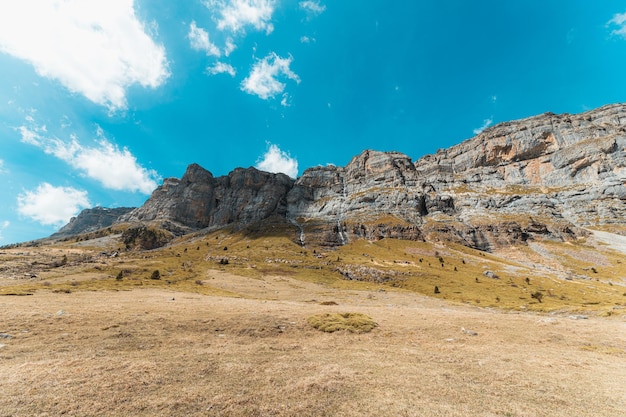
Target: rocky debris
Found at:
x=491, y=274
x=544, y=177
x=468, y=332
x=145, y=238
x=364, y=273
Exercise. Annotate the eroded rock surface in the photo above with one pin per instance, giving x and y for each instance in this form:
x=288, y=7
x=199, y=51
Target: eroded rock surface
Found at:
x=544, y=177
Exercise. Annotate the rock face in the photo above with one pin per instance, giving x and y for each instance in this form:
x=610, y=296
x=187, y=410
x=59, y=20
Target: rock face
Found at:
x=90, y=220
x=547, y=176
x=198, y=200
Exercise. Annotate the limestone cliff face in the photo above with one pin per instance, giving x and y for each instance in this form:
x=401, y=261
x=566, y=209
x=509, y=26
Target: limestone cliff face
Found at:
x=199, y=200
x=544, y=177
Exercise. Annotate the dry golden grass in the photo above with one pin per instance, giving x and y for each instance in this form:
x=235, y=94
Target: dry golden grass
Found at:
x=337, y=322
x=575, y=277
x=154, y=352
x=211, y=338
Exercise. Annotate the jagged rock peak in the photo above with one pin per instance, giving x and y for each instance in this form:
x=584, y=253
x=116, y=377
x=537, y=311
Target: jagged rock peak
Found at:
x=199, y=200
x=195, y=173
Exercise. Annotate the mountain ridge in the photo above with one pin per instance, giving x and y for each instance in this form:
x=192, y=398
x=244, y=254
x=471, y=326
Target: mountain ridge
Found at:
x=544, y=177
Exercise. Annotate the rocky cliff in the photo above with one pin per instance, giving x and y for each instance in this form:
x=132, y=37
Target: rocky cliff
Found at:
x=90, y=220
x=544, y=177
x=198, y=200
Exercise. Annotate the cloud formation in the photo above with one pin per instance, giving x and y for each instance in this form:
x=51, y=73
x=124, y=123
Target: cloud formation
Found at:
x=263, y=80
x=221, y=68
x=199, y=40
x=51, y=205
x=235, y=15
x=485, y=125
x=276, y=160
x=96, y=48
x=114, y=168
x=620, y=21
x=312, y=7
x=5, y=224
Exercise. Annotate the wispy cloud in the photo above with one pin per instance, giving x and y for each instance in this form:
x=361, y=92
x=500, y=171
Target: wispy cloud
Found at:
x=264, y=79
x=236, y=15
x=230, y=46
x=276, y=160
x=114, y=168
x=618, y=20
x=51, y=205
x=97, y=49
x=199, y=40
x=486, y=124
x=221, y=68
x=312, y=7
x=3, y=226
x=2, y=168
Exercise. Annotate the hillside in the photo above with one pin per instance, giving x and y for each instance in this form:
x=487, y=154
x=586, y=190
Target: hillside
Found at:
x=487, y=279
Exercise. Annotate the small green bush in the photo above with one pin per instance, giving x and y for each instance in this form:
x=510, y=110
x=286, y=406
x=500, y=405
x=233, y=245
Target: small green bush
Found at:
x=155, y=275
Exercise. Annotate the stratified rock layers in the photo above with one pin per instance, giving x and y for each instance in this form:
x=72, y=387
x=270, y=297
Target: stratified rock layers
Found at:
x=545, y=176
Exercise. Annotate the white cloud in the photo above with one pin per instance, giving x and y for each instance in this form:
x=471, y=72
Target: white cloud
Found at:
x=486, y=124
x=237, y=14
x=199, y=40
x=51, y=205
x=95, y=48
x=221, y=68
x=620, y=21
x=313, y=7
x=275, y=160
x=114, y=168
x=5, y=224
x=263, y=79
x=230, y=46
x=306, y=39
x=2, y=169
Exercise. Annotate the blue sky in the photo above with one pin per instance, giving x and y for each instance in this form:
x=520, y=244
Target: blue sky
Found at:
x=101, y=100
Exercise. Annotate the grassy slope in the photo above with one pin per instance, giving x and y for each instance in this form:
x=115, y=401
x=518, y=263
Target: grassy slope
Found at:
x=594, y=272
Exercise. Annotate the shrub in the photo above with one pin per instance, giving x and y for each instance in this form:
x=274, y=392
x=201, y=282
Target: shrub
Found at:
x=537, y=296
x=119, y=276
x=155, y=274
x=351, y=322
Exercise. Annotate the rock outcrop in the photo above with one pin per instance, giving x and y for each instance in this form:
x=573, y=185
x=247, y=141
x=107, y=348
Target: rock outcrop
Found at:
x=198, y=200
x=90, y=220
x=544, y=177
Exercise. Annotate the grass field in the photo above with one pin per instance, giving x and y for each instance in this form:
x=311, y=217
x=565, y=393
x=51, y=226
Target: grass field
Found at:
x=228, y=329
